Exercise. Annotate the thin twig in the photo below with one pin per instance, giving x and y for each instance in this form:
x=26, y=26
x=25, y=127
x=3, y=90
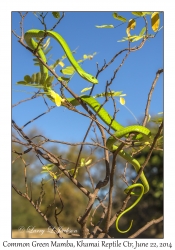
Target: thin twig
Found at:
x=83, y=219
x=107, y=226
x=150, y=152
x=116, y=55
x=149, y=97
x=52, y=107
x=63, y=14
x=21, y=24
x=37, y=209
x=148, y=224
x=25, y=100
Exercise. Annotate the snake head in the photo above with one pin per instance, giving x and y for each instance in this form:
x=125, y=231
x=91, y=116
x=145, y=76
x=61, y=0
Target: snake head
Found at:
x=89, y=78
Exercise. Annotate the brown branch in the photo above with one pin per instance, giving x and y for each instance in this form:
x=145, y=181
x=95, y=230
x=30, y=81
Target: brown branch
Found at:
x=52, y=107
x=150, y=153
x=149, y=97
x=37, y=210
x=95, y=144
x=96, y=228
x=42, y=21
x=116, y=70
x=148, y=224
x=87, y=132
x=25, y=100
x=108, y=224
x=58, y=21
x=81, y=148
x=83, y=219
x=116, y=55
x=21, y=23
x=51, y=158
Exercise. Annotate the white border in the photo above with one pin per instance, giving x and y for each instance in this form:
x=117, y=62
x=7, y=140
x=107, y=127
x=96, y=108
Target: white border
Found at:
x=5, y=97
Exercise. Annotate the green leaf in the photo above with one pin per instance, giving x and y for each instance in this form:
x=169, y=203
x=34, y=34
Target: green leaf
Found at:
x=118, y=93
x=112, y=93
x=122, y=101
x=132, y=37
x=155, y=21
x=54, y=97
x=45, y=46
x=149, y=118
x=80, y=61
x=146, y=143
x=137, y=38
x=142, y=32
x=38, y=77
x=61, y=64
x=147, y=13
x=22, y=82
x=49, y=57
x=131, y=26
x=30, y=85
x=89, y=56
x=84, y=163
x=27, y=78
x=120, y=18
x=138, y=13
x=73, y=52
x=43, y=78
x=56, y=14
x=35, y=59
x=48, y=166
x=33, y=78
x=157, y=120
x=88, y=162
x=64, y=56
x=37, y=86
x=68, y=70
x=105, y=26
x=58, y=100
x=47, y=50
x=53, y=66
x=123, y=40
x=62, y=78
x=47, y=169
x=49, y=80
x=85, y=89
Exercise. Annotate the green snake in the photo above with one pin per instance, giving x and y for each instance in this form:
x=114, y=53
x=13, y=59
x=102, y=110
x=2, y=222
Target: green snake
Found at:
x=120, y=131
x=40, y=34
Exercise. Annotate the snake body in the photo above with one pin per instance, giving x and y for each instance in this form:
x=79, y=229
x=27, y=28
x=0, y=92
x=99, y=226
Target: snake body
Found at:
x=30, y=34
x=120, y=131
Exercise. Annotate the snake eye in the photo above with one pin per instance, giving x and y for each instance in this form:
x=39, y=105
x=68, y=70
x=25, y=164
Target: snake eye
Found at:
x=92, y=77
